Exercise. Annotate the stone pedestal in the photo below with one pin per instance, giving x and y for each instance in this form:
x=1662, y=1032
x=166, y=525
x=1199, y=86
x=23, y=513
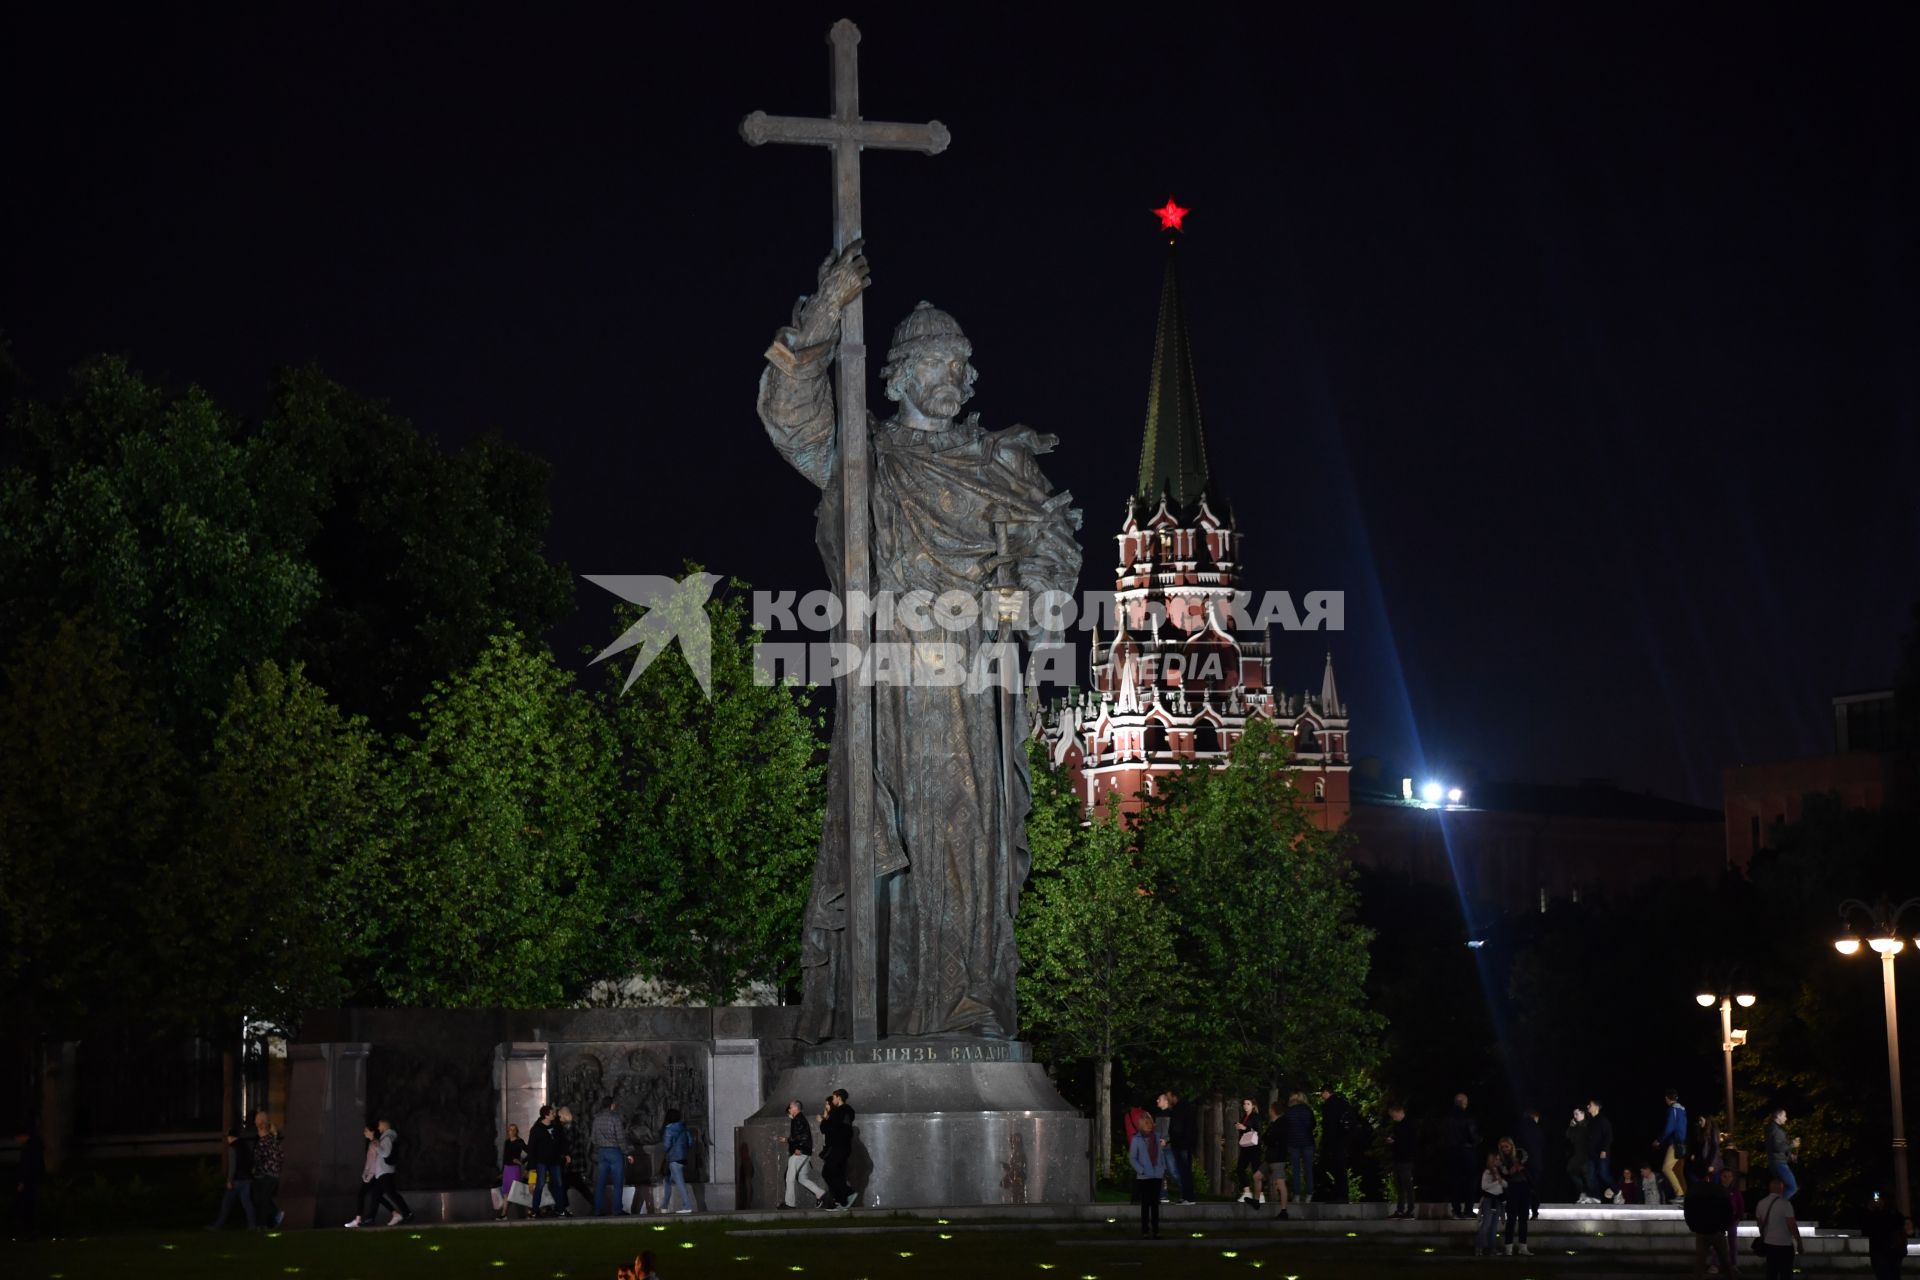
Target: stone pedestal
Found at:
x=325, y=1139
x=937, y=1122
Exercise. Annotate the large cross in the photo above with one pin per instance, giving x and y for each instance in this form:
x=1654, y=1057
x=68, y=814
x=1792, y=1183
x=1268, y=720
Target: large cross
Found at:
x=845, y=135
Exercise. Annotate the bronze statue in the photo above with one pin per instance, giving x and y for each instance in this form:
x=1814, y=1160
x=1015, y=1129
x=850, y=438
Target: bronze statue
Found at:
x=953, y=507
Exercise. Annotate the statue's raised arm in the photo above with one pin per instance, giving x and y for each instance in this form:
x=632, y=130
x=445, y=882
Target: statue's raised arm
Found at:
x=796, y=397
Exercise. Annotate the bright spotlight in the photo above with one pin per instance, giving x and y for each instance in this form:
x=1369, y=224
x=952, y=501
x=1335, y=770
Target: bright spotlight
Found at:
x=1746, y=1002
x=1704, y=1000
x=1887, y=946
x=1847, y=946
x=1454, y=794
x=1432, y=792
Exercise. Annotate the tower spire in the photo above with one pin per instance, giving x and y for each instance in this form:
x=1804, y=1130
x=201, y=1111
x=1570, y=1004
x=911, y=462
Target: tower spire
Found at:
x=1173, y=456
x=1329, y=696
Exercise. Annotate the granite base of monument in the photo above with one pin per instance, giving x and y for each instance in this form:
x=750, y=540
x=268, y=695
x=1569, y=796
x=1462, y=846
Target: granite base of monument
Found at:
x=937, y=1122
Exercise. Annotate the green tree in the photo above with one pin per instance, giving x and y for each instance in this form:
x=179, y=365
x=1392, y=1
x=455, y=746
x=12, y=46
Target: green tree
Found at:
x=422, y=554
x=90, y=815
x=295, y=809
x=148, y=511
x=1265, y=904
x=1096, y=942
x=486, y=894
x=717, y=819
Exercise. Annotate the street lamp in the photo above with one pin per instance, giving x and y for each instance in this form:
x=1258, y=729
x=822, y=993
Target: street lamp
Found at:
x=1886, y=943
x=1731, y=1038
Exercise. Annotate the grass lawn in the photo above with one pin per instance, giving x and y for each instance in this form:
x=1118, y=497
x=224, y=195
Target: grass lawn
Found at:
x=690, y=1248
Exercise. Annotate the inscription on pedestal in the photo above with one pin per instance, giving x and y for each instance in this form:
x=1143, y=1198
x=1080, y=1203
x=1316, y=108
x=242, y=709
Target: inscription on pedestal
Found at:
x=907, y=1053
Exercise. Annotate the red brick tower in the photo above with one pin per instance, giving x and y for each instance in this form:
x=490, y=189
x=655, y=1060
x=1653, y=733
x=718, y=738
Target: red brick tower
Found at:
x=1177, y=681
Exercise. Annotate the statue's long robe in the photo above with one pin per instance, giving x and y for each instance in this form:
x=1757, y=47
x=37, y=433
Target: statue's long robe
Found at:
x=949, y=835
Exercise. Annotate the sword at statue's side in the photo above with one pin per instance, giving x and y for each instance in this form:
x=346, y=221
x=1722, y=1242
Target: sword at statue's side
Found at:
x=845, y=134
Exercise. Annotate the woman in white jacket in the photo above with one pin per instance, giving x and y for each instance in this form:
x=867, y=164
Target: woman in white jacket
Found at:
x=376, y=1179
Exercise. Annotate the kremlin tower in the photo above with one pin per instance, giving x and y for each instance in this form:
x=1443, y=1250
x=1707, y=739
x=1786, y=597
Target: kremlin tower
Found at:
x=1176, y=682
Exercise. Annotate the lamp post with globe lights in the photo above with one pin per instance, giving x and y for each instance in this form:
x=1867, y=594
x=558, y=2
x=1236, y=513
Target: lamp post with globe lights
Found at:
x=1887, y=943
x=1731, y=1037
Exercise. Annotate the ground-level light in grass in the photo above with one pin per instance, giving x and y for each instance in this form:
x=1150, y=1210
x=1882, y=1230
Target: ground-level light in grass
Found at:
x=1229, y=1253
x=659, y=1228
x=946, y=1235
x=169, y=1246
x=275, y=1235
x=906, y=1253
x=1111, y=1221
x=1198, y=1235
x=943, y=1222
x=433, y=1248
x=499, y=1262
x=414, y=1236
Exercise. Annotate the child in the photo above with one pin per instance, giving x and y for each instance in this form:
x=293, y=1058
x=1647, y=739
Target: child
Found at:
x=1493, y=1203
x=1649, y=1186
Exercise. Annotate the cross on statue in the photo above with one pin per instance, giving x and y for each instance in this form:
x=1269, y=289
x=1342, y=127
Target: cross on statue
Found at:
x=845, y=134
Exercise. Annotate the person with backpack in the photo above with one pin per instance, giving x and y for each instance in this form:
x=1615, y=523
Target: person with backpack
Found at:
x=677, y=1141
x=1779, y=1230
x=549, y=1166
x=1709, y=1213
x=376, y=1178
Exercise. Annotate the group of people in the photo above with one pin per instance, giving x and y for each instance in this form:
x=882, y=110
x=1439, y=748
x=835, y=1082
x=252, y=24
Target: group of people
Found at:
x=544, y=1160
x=252, y=1168
x=836, y=1145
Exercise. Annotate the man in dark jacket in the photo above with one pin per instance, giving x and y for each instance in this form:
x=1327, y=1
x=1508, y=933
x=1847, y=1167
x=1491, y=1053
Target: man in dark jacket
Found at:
x=1709, y=1212
x=1183, y=1139
x=1533, y=1140
x=1463, y=1158
x=836, y=1145
x=1337, y=1125
x=1887, y=1233
x=1600, y=1153
x=800, y=1157
x=546, y=1153
x=1401, y=1142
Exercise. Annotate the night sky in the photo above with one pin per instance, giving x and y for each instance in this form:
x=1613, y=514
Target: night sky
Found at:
x=1579, y=348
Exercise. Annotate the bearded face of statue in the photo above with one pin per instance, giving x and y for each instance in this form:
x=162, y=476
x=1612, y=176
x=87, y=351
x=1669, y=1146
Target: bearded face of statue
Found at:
x=932, y=384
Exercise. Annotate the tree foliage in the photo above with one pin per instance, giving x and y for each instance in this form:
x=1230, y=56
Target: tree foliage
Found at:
x=716, y=821
x=1264, y=904
x=486, y=895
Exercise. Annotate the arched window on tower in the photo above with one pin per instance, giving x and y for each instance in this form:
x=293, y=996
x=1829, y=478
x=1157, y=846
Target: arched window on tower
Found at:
x=1155, y=741
x=1307, y=740
x=1206, y=738
x=1319, y=788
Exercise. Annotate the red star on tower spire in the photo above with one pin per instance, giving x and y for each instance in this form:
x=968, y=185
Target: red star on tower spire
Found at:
x=1170, y=215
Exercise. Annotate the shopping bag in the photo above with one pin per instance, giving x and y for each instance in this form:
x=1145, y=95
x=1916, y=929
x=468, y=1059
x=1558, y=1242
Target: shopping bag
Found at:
x=521, y=1194
x=499, y=1202
x=626, y=1198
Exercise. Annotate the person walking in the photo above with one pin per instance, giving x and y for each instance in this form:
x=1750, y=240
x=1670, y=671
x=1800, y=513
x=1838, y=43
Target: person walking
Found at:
x=676, y=1141
x=239, y=1179
x=1532, y=1141
x=1780, y=1151
x=1519, y=1198
x=1493, y=1198
x=1779, y=1230
x=573, y=1162
x=1183, y=1139
x=1246, y=1169
x=513, y=1163
x=1337, y=1124
x=376, y=1178
x=1148, y=1156
x=1273, y=1150
x=1703, y=1159
x=1709, y=1214
x=1299, y=1134
x=1600, y=1184
x=609, y=1142
x=268, y=1159
x=549, y=1167
x=1673, y=1140
x=1401, y=1141
x=1578, y=1149
x=1463, y=1157
x=1737, y=1205
x=800, y=1157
